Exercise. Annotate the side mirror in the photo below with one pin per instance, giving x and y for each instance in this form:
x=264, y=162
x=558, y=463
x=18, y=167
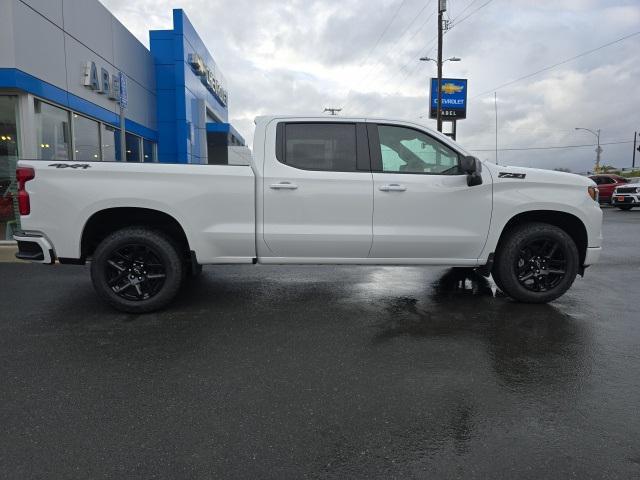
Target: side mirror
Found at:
x=473, y=168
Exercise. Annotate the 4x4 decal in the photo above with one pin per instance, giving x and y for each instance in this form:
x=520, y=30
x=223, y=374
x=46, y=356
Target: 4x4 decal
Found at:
x=73, y=165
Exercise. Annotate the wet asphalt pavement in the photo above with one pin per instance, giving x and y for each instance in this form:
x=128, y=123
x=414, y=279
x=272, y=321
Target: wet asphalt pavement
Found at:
x=324, y=372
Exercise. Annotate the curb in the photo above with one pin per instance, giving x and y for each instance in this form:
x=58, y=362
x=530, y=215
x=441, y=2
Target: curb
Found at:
x=7, y=254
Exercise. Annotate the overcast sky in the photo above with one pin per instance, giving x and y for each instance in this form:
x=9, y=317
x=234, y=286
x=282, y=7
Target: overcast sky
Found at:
x=300, y=56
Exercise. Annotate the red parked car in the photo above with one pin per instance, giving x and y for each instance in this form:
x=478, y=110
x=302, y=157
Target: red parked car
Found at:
x=607, y=183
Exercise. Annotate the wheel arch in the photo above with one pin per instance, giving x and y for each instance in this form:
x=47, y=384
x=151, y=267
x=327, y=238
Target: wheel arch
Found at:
x=568, y=222
x=104, y=222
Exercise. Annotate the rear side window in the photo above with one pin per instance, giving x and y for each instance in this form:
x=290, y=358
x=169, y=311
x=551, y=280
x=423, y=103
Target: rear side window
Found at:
x=319, y=146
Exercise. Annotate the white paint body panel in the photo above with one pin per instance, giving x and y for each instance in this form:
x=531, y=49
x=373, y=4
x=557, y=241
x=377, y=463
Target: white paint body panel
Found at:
x=214, y=204
x=230, y=214
x=314, y=214
x=433, y=216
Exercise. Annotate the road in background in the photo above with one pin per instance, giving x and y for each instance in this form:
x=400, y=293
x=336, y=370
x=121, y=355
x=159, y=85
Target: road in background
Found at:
x=332, y=372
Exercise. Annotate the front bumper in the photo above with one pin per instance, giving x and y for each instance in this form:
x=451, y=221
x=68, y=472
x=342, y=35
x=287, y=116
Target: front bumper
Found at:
x=34, y=247
x=628, y=199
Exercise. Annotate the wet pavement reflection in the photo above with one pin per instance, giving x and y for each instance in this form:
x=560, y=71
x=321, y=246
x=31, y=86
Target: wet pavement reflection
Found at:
x=324, y=372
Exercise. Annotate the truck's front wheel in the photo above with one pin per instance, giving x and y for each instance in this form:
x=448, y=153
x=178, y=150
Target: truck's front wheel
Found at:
x=536, y=263
x=137, y=270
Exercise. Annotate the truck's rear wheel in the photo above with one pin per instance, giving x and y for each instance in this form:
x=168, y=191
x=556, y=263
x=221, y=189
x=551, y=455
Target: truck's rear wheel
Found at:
x=536, y=263
x=137, y=270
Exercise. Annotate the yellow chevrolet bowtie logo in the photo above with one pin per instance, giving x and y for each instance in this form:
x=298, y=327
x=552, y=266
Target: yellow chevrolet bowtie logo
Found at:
x=450, y=88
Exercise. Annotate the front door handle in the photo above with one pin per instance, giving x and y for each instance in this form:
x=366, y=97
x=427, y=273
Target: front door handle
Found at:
x=393, y=187
x=283, y=186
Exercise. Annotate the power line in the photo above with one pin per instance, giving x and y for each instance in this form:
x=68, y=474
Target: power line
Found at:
x=458, y=22
x=430, y=44
x=519, y=149
x=384, y=32
x=465, y=9
x=575, y=57
x=408, y=28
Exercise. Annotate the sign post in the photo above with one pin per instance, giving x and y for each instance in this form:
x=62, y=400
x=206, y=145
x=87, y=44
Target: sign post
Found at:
x=123, y=101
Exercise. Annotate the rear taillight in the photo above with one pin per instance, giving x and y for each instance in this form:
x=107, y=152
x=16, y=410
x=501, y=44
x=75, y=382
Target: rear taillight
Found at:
x=23, y=175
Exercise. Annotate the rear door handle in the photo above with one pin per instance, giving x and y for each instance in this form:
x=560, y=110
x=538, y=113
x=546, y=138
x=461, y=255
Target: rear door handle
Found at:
x=393, y=187
x=283, y=186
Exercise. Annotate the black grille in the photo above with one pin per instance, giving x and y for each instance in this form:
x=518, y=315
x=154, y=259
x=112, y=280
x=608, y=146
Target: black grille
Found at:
x=626, y=190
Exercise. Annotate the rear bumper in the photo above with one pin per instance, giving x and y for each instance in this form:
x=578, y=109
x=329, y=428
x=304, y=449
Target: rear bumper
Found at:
x=592, y=256
x=34, y=247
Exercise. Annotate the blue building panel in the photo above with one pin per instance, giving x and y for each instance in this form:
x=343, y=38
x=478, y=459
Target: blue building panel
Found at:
x=182, y=93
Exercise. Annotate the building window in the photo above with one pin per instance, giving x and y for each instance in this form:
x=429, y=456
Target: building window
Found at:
x=86, y=139
x=8, y=159
x=92, y=140
x=148, y=151
x=53, y=132
x=133, y=147
x=110, y=143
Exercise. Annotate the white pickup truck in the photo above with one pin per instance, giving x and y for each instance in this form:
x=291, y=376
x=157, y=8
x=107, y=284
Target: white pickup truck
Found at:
x=315, y=191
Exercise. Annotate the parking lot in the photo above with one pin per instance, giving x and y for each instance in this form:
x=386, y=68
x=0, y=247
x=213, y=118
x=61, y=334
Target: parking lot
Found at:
x=329, y=372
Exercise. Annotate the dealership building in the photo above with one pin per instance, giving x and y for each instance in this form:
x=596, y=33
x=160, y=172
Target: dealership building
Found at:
x=66, y=69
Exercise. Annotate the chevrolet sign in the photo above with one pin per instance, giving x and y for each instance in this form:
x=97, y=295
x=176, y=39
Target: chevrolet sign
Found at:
x=454, y=98
x=208, y=78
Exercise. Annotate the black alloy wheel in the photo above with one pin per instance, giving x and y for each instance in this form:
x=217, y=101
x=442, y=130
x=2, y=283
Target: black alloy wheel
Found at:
x=135, y=272
x=541, y=265
x=138, y=269
x=536, y=262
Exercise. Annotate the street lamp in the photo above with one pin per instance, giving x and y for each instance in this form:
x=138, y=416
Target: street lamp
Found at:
x=439, y=64
x=596, y=133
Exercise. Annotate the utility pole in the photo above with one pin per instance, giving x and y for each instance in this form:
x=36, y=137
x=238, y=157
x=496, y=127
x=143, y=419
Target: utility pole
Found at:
x=598, y=152
x=598, y=147
x=635, y=138
x=442, y=7
x=495, y=103
x=333, y=111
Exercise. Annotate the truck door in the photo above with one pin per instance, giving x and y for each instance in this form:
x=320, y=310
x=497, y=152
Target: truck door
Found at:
x=318, y=191
x=423, y=207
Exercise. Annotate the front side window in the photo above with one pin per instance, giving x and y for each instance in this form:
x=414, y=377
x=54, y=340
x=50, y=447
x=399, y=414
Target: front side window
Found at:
x=405, y=150
x=86, y=138
x=53, y=132
x=321, y=146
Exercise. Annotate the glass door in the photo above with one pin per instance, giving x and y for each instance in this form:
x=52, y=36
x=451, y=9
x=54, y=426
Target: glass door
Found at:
x=8, y=158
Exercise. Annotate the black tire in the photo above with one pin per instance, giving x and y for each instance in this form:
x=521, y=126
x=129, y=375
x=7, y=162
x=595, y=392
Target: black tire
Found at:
x=625, y=207
x=536, y=263
x=137, y=270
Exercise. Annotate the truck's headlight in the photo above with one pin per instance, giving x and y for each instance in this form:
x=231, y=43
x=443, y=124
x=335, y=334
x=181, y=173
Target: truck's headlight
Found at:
x=593, y=193
x=638, y=190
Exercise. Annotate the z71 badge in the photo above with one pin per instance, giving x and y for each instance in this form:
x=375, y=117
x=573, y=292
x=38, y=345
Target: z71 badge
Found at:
x=73, y=165
x=520, y=176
